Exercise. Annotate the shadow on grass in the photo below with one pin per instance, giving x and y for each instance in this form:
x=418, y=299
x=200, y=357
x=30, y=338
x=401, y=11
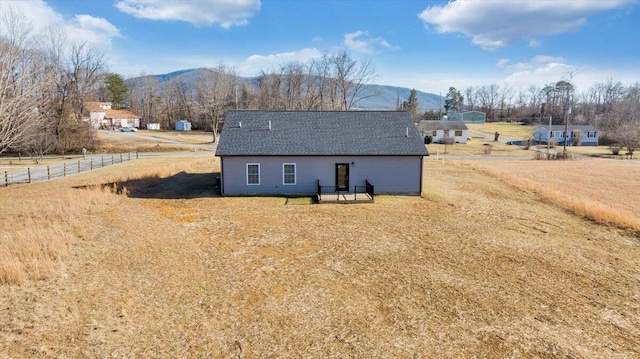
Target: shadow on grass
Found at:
x=179, y=186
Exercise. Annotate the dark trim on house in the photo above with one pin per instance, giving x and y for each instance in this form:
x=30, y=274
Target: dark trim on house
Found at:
x=222, y=176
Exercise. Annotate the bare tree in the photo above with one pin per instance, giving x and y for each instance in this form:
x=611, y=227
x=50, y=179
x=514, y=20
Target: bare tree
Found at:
x=20, y=82
x=215, y=91
x=350, y=78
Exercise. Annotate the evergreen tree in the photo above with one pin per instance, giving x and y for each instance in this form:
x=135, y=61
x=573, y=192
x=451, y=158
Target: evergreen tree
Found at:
x=412, y=104
x=118, y=89
x=454, y=100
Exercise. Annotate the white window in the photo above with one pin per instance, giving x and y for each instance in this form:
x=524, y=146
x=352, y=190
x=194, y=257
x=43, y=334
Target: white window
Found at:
x=289, y=173
x=591, y=134
x=253, y=173
x=458, y=133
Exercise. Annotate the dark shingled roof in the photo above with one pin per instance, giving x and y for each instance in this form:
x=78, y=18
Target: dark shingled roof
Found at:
x=441, y=125
x=319, y=133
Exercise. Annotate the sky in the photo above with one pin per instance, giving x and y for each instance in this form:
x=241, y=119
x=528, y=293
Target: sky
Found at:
x=426, y=45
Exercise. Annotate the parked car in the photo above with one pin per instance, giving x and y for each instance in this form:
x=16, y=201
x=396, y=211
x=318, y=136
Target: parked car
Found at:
x=128, y=129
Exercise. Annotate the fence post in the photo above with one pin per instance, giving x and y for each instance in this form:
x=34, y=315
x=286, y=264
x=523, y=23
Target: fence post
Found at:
x=121, y=158
x=101, y=161
x=48, y=173
x=6, y=179
x=112, y=159
x=129, y=153
x=136, y=155
x=91, y=166
x=78, y=166
x=64, y=169
x=29, y=173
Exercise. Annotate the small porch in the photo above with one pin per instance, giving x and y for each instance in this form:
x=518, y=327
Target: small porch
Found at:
x=360, y=194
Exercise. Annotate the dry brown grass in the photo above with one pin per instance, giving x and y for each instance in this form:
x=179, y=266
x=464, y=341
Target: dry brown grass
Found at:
x=475, y=269
x=195, y=137
x=605, y=191
x=510, y=130
x=477, y=146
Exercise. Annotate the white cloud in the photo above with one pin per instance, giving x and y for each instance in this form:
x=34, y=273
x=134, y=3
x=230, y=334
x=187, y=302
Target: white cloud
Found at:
x=84, y=28
x=94, y=30
x=256, y=63
x=201, y=13
x=533, y=43
x=499, y=23
x=502, y=63
x=360, y=41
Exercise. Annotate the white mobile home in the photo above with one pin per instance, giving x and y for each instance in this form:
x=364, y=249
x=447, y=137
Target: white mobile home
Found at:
x=576, y=135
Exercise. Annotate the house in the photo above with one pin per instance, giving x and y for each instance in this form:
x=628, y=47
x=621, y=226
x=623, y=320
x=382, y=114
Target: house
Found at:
x=467, y=117
x=320, y=152
x=578, y=135
x=183, y=125
x=101, y=115
x=441, y=130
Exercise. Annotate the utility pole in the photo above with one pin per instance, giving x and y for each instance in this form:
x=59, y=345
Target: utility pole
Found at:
x=549, y=139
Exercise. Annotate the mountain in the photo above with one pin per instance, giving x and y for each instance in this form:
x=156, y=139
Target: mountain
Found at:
x=375, y=97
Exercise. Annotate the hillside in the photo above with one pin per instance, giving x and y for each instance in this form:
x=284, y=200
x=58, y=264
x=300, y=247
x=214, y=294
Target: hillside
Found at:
x=378, y=97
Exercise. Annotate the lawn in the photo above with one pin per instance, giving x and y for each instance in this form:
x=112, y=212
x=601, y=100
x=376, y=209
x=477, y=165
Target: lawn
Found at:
x=510, y=130
x=144, y=259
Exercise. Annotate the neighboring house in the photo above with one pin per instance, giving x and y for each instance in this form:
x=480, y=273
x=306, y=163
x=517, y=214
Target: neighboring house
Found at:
x=467, y=117
x=440, y=130
x=101, y=115
x=295, y=152
x=578, y=135
x=183, y=125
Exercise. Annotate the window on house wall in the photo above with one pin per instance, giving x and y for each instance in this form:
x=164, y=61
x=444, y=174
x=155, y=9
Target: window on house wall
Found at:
x=253, y=173
x=288, y=173
x=434, y=133
x=591, y=134
x=458, y=133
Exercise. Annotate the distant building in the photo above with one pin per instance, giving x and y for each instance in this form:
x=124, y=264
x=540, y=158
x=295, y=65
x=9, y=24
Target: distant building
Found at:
x=467, y=117
x=101, y=115
x=440, y=130
x=183, y=125
x=578, y=135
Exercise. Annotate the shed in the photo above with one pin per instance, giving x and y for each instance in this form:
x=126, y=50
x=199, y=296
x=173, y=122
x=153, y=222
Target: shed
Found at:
x=183, y=125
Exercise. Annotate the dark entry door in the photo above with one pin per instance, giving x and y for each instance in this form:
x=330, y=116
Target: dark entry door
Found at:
x=342, y=177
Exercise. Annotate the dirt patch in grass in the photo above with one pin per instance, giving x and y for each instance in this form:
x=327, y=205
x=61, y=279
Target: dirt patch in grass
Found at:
x=473, y=269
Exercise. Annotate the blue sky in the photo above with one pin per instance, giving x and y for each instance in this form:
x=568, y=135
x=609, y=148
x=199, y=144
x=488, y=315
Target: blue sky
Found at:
x=427, y=45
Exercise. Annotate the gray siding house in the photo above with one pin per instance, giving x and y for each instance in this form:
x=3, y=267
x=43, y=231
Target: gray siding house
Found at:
x=296, y=152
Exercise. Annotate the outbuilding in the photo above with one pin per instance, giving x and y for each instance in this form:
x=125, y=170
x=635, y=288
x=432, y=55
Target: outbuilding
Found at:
x=183, y=125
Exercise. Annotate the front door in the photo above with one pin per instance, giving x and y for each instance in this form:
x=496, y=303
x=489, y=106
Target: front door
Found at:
x=342, y=177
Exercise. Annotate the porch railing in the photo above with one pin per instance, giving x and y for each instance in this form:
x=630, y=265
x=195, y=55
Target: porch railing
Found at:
x=360, y=193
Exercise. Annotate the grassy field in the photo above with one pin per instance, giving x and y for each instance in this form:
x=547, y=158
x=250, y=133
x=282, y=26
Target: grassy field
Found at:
x=147, y=261
x=510, y=130
x=194, y=137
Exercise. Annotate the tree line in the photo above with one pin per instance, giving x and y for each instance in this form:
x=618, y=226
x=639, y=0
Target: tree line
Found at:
x=609, y=106
x=333, y=82
x=45, y=79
